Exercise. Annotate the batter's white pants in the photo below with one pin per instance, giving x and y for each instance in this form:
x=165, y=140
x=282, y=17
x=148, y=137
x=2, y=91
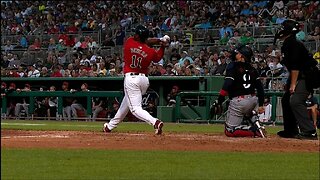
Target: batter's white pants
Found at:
x=134, y=87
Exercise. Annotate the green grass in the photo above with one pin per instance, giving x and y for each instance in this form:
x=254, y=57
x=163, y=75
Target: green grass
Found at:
x=94, y=164
x=101, y=164
x=123, y=127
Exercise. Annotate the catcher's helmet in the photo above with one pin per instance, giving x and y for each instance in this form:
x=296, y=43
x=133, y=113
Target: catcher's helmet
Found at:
x=142, y=32
x=246, y=51
x=288, y=27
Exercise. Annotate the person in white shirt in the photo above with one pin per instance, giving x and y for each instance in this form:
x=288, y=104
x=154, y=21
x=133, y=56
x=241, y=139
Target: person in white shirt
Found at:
x=33, y=72
x=266, y=115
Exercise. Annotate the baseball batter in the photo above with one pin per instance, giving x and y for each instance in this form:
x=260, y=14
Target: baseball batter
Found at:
x=137, y=58
x=240, y=84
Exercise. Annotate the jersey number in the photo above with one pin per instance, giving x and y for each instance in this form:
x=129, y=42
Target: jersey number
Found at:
x=136, y=62
x=246, y=79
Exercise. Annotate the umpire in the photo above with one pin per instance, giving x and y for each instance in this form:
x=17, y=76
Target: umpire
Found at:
x=241, y=83
x=296, y=122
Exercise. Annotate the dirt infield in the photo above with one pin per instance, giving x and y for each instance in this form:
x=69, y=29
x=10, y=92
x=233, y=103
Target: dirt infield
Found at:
x=148, y=141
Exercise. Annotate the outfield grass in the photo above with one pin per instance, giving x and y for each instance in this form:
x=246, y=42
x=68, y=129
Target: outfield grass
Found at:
x=101, y=164
x=58, y=164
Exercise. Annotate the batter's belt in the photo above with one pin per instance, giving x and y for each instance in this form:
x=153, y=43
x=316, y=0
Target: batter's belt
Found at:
x=135, y=74
x=245, y=96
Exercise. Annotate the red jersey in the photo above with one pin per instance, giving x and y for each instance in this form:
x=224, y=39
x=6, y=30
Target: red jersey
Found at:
x=138, y=56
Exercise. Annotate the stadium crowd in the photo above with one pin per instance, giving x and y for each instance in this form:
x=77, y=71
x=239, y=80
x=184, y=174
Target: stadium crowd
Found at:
x=57, y=30
x=69, y=55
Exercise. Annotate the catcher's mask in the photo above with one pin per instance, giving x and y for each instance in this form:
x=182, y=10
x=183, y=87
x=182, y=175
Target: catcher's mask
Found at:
x=288, y=27
x=142, y=32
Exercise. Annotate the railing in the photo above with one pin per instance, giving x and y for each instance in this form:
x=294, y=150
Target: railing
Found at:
x=208, y=95
x=44, y=37
x=60, y=94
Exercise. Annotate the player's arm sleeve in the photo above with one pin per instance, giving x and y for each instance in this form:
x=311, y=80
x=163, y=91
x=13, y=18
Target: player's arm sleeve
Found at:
x=226, y=85
x=158, y=54
x=260, y=91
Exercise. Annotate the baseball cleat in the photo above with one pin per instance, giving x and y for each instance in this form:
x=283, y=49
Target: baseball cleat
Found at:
x=307, y=136
x=105, y=128
x=285, y=134
x=158, y=127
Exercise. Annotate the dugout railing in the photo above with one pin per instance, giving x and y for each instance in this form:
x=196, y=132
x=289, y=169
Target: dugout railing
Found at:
x=32, y=95
x=203, y=115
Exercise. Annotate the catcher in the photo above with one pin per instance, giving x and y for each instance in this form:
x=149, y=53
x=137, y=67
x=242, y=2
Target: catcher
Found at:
x=240, y=83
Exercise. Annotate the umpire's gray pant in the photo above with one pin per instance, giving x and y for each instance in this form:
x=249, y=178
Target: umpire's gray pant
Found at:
x=240, y=107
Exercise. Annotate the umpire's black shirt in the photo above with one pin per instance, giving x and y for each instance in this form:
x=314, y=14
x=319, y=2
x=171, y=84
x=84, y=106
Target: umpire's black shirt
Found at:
x=294, y=55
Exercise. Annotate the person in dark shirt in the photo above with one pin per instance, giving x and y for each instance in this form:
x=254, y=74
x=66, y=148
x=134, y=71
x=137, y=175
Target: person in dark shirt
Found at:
x=98, y=105
x=296, y=121
x=221, y=67
x=240, y=83
x=151, y=108
x=80, y=103
x=66, y=102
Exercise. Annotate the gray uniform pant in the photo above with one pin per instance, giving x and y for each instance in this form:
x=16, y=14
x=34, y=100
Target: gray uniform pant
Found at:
x=295, y=113
x=238, y=108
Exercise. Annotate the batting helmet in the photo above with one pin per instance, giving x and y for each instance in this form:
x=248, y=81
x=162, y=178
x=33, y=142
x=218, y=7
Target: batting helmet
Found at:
x=142, y=32
x=246, y=51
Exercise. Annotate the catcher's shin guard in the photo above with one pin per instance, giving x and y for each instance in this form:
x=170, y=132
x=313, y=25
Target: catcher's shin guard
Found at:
x=256, y=124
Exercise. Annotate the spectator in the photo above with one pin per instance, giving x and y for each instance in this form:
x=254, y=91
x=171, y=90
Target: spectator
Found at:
x=220, y=70
x=67, y=101
x=14, y=61
x=171, y=97
x=169, y=70
x=22, y=107
x=98, y=105
x=11, y=101
x=36, y=45
x=175, y=43
x=315, y=34
x=184, y=57
x=44, y=72
x=119, y=36
x=33, y=72
x=23, y=42
x=61, y=46
x=79, y=103
x=8, y=47
x=246, y=39
x=56, y=72
x=225, y=30
x=246, y=10
x=113, y=111
x=265, y=117
x=151, y=108
x=312, y=106
x=108, y=41
x=224, y=40
x=52, y=45
x=281, y=18
x=316, y=55
x=52, y=104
